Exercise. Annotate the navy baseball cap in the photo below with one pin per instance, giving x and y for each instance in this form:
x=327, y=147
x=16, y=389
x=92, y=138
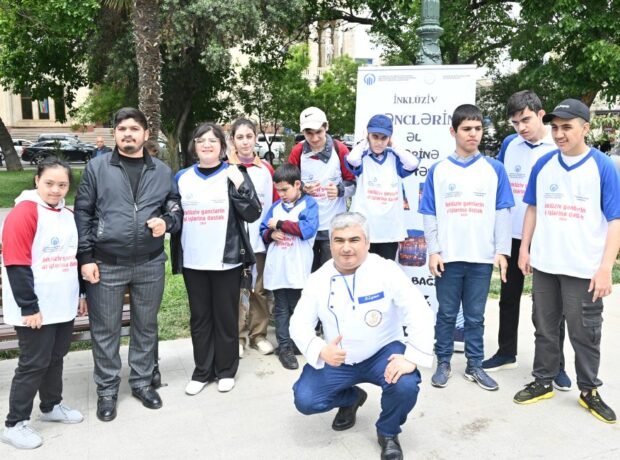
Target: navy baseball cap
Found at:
x=380, y=124
x=569, y=109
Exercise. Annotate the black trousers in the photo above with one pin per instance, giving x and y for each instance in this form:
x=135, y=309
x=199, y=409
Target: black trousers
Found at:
x=39, y=368
x=321, y=252
x=214, y=321
x=509, y=306
x=385, y=250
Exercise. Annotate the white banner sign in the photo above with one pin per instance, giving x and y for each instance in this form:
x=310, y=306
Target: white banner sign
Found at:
x=420, y=101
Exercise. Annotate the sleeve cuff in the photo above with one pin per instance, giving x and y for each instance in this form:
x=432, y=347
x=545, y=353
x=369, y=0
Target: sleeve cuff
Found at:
x=419, y=358
x=313, y=353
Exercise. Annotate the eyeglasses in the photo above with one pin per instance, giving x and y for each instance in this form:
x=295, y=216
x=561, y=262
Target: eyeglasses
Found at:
x=202, y=140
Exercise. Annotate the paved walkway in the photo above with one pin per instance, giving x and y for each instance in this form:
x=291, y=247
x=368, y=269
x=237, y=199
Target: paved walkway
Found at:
x=257, y=420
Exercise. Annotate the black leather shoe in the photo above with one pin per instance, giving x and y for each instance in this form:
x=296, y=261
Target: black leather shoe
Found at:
x=287, y=358
x=156, y=379
x=149, y=397
x=345, y=418
x=390, y=448
x=106, y=408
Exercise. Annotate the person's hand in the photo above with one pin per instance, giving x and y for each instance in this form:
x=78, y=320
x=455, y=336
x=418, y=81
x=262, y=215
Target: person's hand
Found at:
x=90, y=273
x=435, y=265
x=157, y=226
x=524, y=261
x=83, y=307
x=277, y=235
x=33, y=321
x=235, y=176
x=332, y=354
x=397, y=365
x=332, y=191
x=600, y=284
x=501, y=263
x=312, y=188
x=273, y=223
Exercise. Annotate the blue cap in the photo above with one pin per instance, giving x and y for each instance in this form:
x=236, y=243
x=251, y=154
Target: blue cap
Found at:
x=380, y=124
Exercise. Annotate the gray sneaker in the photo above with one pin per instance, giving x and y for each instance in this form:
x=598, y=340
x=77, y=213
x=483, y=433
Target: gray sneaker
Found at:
x=62, y=414
x=21, y=436
x=477, y=374
x=441, y=375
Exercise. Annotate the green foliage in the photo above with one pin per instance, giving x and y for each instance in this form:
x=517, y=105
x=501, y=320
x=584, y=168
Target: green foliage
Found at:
x=604, y=129
x=101, y=103
x=335, y=92
x=42, y=44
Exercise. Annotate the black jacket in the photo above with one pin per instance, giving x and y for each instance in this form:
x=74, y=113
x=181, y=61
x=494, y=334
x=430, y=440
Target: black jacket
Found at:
x=244, y=206
x=111, y=222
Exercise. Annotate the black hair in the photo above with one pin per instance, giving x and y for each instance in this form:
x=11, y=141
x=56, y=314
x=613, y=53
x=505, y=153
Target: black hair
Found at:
x=522, y=100
x=242, y=122
x=129, y=112
x=465, y=112
x=287, y=173
x=205, y=128
x=53, y=162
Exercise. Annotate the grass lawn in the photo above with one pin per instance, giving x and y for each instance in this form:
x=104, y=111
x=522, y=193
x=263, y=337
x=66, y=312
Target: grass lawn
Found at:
x=13, y=183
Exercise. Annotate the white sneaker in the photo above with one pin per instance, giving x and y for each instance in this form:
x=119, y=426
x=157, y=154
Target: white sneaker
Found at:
x=21, y=436
x=62, y=414
x=264, y=347
x=240, y=351
x=194, y=387
x=224, y=385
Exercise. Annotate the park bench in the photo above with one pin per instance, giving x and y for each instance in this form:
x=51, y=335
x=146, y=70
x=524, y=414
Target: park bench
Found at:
x=81, y=326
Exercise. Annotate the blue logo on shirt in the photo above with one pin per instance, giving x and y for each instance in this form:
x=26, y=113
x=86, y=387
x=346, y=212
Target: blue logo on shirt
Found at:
x=553, y=187
x=452, y=187
x=371, y=297
x=518, y=168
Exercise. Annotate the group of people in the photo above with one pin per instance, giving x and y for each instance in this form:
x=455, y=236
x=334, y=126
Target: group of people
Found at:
x=339, y=297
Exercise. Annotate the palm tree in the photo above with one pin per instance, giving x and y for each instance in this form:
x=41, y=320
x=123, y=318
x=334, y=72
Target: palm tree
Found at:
x=146, y=31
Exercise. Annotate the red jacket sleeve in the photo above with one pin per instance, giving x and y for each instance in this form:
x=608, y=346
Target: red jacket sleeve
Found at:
x=344, y=170
x=295, y=157
x=20, y=227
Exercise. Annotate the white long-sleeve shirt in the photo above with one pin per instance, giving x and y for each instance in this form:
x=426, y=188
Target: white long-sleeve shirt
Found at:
x=368, y=308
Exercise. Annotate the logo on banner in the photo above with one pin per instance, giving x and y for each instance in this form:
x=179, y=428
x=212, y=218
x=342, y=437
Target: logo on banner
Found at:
x=370, y=79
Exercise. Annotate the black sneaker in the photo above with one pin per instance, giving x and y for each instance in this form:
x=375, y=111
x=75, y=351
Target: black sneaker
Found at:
x=287, y=358
x=593, y=402
x=534, y=392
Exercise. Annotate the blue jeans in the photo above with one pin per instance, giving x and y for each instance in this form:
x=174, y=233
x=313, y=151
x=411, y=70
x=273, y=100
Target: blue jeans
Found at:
x=285, y=301
x=321, y=390
x=466, y=283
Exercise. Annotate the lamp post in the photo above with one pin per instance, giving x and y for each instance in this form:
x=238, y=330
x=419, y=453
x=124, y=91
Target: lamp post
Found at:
x=429, y=33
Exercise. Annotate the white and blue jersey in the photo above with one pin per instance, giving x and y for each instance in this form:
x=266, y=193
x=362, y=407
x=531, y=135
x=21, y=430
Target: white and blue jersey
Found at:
x=574, y=203
x=518, y=157
x=464, y=197
x=289, y=261
x=379, y=195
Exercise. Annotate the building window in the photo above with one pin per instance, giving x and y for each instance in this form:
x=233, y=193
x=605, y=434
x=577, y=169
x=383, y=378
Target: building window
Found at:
x=44, y=109
x=26, y=107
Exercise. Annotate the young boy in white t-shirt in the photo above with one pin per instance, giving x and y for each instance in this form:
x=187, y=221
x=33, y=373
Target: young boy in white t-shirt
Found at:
x=572, y=224
x=289, y=228
x=466, y=205
x=379, y=170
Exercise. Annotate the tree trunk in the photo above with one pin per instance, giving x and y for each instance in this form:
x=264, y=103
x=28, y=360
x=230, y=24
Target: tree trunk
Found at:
x=10, y=155
x=145, y=20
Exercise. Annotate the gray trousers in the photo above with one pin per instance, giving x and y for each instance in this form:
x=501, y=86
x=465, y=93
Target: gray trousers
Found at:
x=557, y=296
x=105, y=304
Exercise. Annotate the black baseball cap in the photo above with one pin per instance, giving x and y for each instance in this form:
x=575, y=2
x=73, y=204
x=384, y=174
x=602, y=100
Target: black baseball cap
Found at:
x=569, y=109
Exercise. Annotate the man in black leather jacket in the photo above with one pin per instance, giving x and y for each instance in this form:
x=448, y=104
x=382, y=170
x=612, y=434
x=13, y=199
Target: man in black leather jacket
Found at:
x=125, y=204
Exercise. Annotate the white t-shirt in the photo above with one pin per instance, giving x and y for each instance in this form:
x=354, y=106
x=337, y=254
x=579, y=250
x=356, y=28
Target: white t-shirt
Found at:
x=289, y=261
x=205, y=218
x=573, y=203
x=519, y=156
x=464, y=198
x=379, y=197
x=263, y=184
x=46, y=239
